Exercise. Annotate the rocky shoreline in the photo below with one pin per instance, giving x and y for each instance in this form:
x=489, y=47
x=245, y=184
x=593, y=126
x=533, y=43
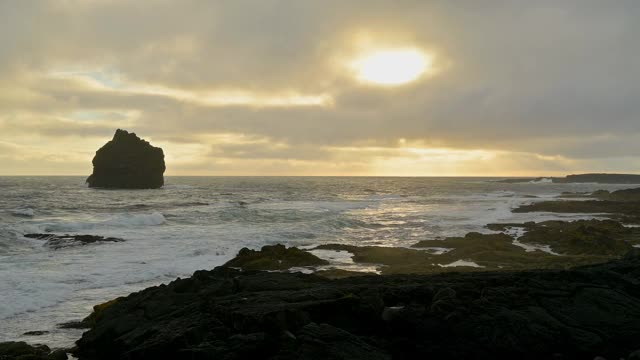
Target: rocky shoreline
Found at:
x=553, y=289
x=233, y=314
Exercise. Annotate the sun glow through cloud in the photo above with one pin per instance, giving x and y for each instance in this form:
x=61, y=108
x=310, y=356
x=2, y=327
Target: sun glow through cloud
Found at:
x=391, y=67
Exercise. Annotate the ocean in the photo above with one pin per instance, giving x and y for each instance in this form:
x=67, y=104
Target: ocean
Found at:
x=201, y=222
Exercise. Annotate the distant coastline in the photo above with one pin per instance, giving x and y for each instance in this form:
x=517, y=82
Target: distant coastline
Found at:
x=596, y=178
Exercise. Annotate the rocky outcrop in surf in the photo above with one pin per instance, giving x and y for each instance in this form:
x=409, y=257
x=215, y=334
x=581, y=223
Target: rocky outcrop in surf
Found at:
x=127, y=162
x=274, y=257
x=55, y=241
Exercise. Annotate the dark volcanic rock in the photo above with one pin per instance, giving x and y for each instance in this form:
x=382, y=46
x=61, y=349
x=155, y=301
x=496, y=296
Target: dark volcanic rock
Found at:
x=55, y=241
x=618, y=195
x=621, y=195
x=625, y=211
x=580, y=237
x=600, y=179
x=230, y=314
x=90, y=320
x=36, y=333
x=274, y=257
x=127, y=162
x=23, y=351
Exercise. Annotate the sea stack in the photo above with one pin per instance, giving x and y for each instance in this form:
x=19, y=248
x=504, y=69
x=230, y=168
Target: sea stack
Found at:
x=127, y=162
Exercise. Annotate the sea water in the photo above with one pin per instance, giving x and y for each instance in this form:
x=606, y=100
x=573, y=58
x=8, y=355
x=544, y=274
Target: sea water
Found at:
x=197, y=223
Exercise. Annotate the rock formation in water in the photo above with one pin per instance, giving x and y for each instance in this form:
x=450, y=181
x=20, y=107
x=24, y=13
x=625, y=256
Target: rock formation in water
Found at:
x=274, y=257
x=55, y=241
x=127, y=162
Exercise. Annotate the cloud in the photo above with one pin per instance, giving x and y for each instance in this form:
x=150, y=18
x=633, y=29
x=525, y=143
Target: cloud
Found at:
x=519, y=80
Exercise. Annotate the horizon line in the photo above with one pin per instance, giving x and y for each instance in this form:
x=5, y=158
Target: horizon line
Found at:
x=380, y=176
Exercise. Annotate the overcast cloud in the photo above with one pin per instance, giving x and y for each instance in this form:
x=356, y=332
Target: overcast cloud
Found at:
x=260, y=87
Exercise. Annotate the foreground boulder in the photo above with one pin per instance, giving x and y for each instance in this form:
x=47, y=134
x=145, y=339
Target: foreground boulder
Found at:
x=229, y=314
x=22, y=351
x=127, y=162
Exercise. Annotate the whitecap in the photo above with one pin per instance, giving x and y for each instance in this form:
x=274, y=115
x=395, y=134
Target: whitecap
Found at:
x=154, y=218
x=29, y=212
x=541, y=181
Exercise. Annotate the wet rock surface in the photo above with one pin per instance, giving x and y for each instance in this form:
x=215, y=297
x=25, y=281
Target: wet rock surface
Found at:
x=626, y=211
x=19, y=350
x=543, y=245
x=581, y=237
x=274, y=257
x=55, y=241
x=127, y=162
x=618, y=195
x=226, y=313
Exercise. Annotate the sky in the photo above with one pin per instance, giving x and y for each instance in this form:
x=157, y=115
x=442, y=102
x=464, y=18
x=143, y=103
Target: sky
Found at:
x=302, y=87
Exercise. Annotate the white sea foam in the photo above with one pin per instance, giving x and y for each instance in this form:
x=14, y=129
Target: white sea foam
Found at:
x=517, y=232
x=535, y=247
x=541, y=181
x=154, y=218
x=462, y=263
x=340, y=259
x=435, y=250
x=115, y=221
x=178, y=187
x=335, y=256
x=29, y=212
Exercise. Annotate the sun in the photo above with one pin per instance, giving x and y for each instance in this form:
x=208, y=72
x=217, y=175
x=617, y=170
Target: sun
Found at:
x=391, y=67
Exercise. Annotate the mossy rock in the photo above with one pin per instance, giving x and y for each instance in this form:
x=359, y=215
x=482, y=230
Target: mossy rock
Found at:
x=583, y=237
x=593, y=242
x=580, y=237
x=98, y=312
x=274, y=257
x=629, y=208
